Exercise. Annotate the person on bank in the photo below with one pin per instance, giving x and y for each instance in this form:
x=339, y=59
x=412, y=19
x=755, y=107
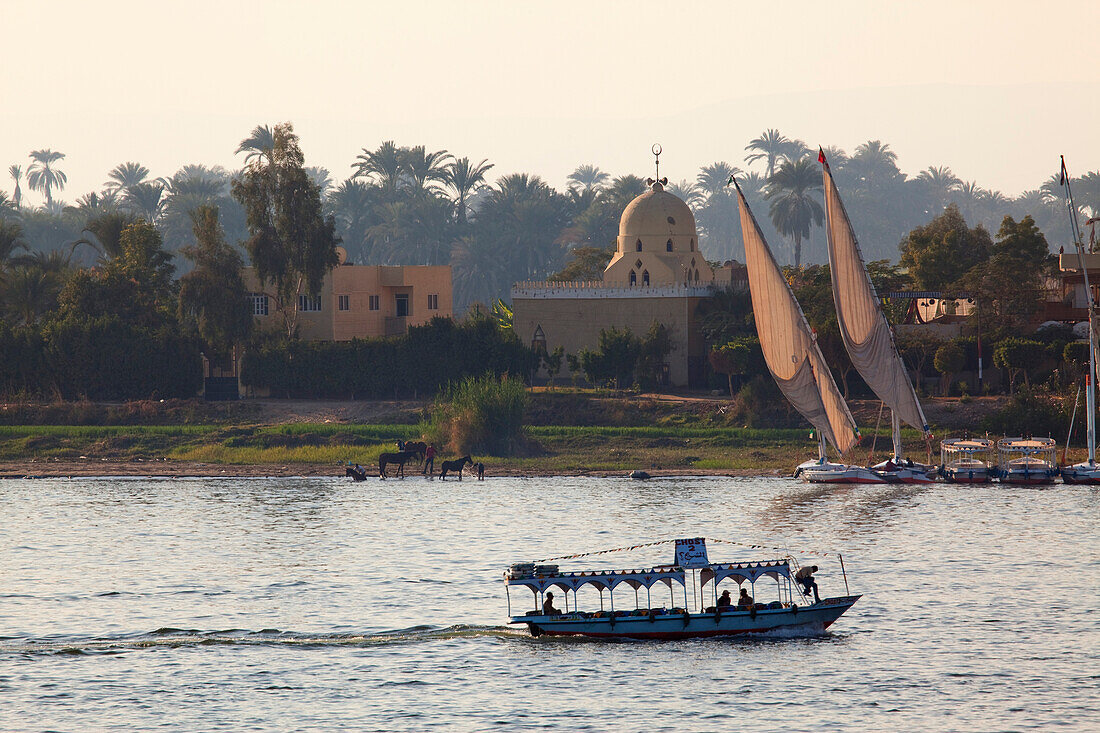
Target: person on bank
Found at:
x=724, y=600
x=744, y=599
x=805, y=578
x=548, y=606
x=429, y=460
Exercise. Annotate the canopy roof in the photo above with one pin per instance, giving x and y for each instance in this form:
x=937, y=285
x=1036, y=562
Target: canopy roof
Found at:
x=967, y=445
x=1027, y=445
x=646, y=578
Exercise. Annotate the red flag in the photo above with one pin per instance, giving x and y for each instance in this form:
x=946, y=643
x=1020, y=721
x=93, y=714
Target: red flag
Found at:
x=820, y=155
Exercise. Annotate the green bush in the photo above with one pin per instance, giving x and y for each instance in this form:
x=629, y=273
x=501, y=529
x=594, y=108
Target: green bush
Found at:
x=1032, y=411
x=479, y=415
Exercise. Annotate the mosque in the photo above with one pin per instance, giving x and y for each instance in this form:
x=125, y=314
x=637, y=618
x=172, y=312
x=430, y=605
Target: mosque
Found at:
x=656, y=274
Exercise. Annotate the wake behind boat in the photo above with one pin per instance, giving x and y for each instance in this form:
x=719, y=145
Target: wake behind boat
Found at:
x=702, y=613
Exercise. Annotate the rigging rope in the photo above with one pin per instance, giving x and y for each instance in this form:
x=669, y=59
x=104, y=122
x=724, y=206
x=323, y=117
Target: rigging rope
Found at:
x=786, y=550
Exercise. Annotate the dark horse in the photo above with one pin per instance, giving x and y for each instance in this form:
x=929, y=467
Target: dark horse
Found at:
x=418, y=449
x=357, y=472
x=400, y=458
x=446, y=466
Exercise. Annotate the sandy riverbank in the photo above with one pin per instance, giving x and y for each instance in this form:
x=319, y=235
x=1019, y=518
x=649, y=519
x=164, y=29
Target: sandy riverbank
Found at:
x=184, y=469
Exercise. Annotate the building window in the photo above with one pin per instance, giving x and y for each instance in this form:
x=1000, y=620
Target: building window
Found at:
x=692, y=245
x=372, y=302
x=645, y=277
x=401, y=305
x=668, y=246
x=638, y=245
x=344, y=302
x=538, y=341
x=259, y=304
x=309, y=303
x=633, y=278
x=433, y=302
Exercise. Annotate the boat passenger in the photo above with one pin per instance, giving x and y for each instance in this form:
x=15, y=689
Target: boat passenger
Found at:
x=724, y=600
x=744, y=599
x=548, y=606
x=805, y=578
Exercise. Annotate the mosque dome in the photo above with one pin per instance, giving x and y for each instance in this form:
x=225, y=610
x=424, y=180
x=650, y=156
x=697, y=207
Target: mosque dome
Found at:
x=653, y=220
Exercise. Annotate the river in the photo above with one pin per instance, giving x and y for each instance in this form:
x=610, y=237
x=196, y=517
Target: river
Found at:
x=321, y=604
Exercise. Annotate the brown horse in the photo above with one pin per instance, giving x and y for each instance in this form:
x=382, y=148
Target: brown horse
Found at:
x=399, y=458
x=418, y=449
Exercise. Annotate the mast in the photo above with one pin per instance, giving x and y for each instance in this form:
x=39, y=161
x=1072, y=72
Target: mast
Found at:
x=1090, y=378
x=895, y=434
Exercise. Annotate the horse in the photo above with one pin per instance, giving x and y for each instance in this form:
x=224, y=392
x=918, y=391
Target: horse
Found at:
x=446, y=466
x=400, y=458
x=356, y=472
x=418, y=449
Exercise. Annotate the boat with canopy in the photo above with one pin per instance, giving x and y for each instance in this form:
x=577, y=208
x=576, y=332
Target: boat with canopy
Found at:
x=1087, y=472
x=868, y=337
x=967, y=460
x=795, y=361
x=676, y=601
x=1027, y=460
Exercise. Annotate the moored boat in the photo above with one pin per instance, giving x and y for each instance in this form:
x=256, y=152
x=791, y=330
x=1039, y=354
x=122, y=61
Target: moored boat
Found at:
x=701, y=614
x=967, y=460
x=1086, y=472
x=795, y=360
x=868, y=337
x=1027, y=461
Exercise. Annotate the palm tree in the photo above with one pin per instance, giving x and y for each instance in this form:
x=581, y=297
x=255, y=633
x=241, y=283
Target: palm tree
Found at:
x=588, y=178
x=425, y=168
x=939, y=182
x=794, y=208
x=146, y=199
x=104, y=234
x=385, y=163
x=321, y=178
x=11, y=239
x=41, y=176
x=688, y=192
x=836, y=156
x=125, y=176
x=874, y=162
x=716, y=176
x=464, y=179
x=352, y=205
x=258, y=145
x=771, y=146
x=93, y=204
x=16, y=172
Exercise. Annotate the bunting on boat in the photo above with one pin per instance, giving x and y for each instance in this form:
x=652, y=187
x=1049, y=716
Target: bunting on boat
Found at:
x=789, y=345
x=866, y=333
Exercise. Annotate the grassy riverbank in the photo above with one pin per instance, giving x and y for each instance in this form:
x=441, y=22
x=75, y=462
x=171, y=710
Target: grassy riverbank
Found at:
x=551, y=449
x=568, y=431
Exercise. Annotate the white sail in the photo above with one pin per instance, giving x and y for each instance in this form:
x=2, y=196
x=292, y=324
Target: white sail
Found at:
x=867, y=335
x=788, y=343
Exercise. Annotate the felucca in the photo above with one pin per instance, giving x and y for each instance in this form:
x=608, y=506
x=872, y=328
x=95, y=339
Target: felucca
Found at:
x=868, y=337
x=1089, y=471
x=795, y=361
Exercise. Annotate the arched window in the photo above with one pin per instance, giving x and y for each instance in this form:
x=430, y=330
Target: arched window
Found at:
x=645, y=277
x=668, y=246
x=633, y=278
x=692, y=245
x=696, y=276
x=638, y=245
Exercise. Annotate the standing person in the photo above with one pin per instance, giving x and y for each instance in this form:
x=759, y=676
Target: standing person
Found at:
x=480, y=471
x=429, y=460
x=805, y=578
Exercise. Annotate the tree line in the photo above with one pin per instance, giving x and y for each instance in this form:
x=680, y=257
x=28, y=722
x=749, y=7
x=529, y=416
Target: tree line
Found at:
x=403, y=205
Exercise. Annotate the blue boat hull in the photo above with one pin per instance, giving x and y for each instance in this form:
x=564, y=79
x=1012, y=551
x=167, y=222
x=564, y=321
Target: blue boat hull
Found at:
x=816, y=617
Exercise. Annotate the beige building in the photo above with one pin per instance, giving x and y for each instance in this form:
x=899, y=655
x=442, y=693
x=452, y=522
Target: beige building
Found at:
x=362, y=301
x=656, y=274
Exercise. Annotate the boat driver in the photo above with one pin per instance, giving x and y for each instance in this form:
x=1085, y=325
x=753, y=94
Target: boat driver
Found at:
x=805, y=578
x=548, y=606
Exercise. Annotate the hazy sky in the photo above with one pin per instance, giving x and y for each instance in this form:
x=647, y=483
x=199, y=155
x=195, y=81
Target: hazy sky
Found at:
x=995, y=90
